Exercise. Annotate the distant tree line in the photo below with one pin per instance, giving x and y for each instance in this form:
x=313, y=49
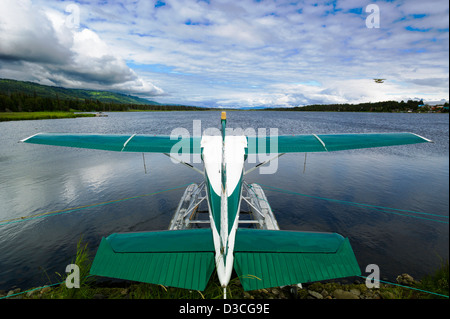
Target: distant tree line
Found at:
x=386, y=106
x=21, y=102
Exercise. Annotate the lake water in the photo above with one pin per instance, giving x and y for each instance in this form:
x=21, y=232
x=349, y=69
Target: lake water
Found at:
x=36, y=179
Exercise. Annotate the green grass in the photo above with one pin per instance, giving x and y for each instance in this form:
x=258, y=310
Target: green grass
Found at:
x=90, y=289
x=18, y=116
x=82, y=260
x=438, y=281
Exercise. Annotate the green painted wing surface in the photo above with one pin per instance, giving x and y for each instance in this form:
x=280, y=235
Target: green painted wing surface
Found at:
x=120, y=143
x=163, y=241
x=182, y=258
x=286, y=241
x=328, y=142
x=273, y=258
x=191, y=145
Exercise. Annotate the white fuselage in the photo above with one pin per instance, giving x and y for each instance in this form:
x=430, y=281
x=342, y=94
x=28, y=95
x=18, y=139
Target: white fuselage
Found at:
x=224, y=164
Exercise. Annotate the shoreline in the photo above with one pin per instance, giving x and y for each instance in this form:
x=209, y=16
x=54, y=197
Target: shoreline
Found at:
x=49, y=115
x=405, y=288
x=24, y=116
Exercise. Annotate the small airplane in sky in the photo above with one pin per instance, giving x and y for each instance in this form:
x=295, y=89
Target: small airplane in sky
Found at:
x=379, y=80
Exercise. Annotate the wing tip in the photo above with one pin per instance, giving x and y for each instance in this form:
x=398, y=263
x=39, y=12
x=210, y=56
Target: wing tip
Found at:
x=424, y=138
x=26, y=139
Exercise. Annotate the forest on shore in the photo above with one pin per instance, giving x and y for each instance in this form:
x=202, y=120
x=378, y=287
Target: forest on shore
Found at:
x=384, y=106
x=21, y=102
x=19, y=96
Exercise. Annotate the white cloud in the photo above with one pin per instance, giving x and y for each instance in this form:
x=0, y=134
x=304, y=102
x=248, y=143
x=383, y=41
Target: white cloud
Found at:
x=245, y=53
x=26, y=33
x=39, y=42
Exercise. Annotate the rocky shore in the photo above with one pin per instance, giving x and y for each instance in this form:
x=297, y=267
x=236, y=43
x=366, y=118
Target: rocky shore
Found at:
x=336, y=290
x=318, y=290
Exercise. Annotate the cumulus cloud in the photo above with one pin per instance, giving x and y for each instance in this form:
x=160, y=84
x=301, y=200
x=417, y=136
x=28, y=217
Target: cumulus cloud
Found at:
x=239, y=53
x=27, y=34
x=39, y=44
x=256, y=50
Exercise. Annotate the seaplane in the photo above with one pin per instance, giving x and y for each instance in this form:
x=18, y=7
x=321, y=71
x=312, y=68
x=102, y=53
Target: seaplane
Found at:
x=187, y=253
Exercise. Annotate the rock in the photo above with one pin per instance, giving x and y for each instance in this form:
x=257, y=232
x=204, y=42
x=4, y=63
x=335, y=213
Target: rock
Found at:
x=45, y=290
x=31, y=292
x=325, y=293
x=315, y=294
x=371, y=294
x=405, y=279
x=342, y=294
x=13, y=292
x=387, y=295
x=293, y=292
x=355, y=291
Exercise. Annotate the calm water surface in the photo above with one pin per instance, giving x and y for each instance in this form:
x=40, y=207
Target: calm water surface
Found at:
x=38, y=179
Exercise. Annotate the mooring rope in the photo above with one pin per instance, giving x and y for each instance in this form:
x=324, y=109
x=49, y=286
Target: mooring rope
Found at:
x=408, y=287
x=383, y=209
x=70, y=210
x=386, y=282
x=38, y=288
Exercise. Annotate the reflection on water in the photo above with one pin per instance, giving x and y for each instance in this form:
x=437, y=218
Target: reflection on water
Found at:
x=37, y=179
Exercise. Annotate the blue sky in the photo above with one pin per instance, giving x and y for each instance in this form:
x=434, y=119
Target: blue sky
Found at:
x=231, y=53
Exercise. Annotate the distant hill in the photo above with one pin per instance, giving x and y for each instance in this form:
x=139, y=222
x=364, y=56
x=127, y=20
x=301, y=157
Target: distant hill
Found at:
x=29, y=88
x=19, y=96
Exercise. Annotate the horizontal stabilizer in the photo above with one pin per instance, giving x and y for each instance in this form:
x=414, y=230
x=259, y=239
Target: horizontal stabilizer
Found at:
x=188, y=240
x=182, y=258
x=273, y=258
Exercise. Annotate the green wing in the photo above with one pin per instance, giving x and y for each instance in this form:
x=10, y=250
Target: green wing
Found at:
x=328, y=142
x=119, y=143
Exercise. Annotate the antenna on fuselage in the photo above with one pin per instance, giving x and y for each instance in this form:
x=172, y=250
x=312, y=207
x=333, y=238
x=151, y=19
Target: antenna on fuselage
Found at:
x=223, y=121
